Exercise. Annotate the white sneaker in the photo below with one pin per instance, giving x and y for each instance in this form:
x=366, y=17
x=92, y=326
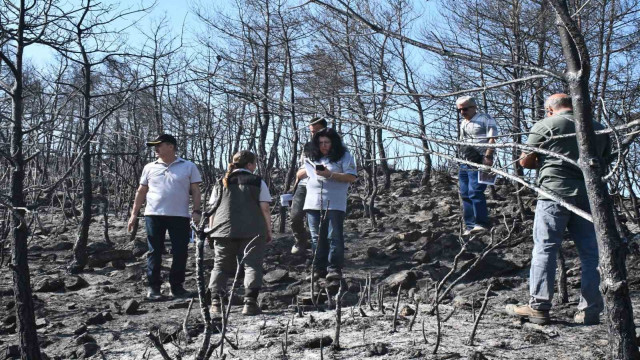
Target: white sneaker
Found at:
x=478, y=229
x=295, y=249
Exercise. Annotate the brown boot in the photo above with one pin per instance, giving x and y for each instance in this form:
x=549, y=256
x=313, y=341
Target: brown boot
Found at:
x=540, y=317
x=251, y=307
x=216, y=308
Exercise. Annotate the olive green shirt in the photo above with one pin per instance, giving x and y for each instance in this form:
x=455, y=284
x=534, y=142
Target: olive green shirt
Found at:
x=555, y=175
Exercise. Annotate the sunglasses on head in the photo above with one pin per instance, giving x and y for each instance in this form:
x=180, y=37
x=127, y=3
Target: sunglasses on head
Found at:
x=465, y=108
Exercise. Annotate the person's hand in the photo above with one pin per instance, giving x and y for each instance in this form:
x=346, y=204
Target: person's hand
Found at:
x=325, y=173
x=196, y=218
x=269, y=238
x=132, y=220
x=487, y=160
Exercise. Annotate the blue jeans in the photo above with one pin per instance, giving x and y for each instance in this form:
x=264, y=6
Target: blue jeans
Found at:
x=548, y=230
x=178, y=227
x=330, y=241
x=474, y=204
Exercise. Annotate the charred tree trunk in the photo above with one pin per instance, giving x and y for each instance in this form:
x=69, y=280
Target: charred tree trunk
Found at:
x=614, y=285
x=26, y=322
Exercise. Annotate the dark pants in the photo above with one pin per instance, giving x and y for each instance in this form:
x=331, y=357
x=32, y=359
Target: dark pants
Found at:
x=297, y=215
x=328, y=242
x=178, y=228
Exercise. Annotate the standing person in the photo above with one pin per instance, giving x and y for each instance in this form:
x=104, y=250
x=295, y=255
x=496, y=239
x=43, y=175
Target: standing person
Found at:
x=316, y=124
x=166, y=184
x=241, y=202
x=551, y=218
x=326, y=201
x=476, y=127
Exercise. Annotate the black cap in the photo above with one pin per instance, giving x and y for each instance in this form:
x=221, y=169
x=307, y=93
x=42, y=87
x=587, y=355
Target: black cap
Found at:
x=163, y=138
x=318, y=120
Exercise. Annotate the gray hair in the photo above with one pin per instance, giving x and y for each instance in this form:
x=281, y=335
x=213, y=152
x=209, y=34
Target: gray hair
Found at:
x=467, y=100
x=558, y=101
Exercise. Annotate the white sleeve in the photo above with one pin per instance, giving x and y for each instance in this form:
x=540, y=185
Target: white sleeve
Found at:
x=265, y=195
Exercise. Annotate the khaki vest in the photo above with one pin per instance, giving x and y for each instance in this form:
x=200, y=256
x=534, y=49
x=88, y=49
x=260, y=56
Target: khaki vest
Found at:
x=238, y=214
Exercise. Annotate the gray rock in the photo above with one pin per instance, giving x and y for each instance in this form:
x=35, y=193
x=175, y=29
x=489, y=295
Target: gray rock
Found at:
x=407, y=279
x=476, y=355
x=315, y=342
x=377, y=349
x=41, y=323
x=62, y=246
x=421, y=257
x=410, y=236
x=81, y=330
x=84, y=339
x=97, y=319
x=74, y=283
x=87, y=350
x=118, y=264
x=131, y=307
x=100, y=259
x=275, y=276
x=50, y=285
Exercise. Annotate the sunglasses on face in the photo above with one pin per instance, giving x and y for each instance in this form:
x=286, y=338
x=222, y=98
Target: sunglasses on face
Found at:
x=465, y=108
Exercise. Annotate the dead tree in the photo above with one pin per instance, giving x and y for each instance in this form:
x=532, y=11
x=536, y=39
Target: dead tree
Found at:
x=614, y=284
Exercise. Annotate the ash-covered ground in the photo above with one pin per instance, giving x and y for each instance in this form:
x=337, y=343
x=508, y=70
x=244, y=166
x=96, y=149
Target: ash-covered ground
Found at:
x=102, y=313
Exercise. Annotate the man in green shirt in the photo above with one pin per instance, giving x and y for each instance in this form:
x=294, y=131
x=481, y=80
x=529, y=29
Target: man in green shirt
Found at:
x=551, y=219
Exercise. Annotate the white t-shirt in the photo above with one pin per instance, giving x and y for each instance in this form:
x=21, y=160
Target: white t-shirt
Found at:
x=265, y=195
x=169, y=187
x=330, y=194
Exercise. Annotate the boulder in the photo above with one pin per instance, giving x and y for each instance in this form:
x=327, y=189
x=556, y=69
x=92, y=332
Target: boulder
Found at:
x=407, y=311
x=75, y=283
x=84, y=339
x=410, y=236
x=49, y=285
x=80, y=330
x=276, y=276
x=131, y=307
x=87, y=350
x=62, y=246
x=407, y=279
x=101, y=259
x=420, y=256
x=315, y=342
x=41, y=323
x=97, y=319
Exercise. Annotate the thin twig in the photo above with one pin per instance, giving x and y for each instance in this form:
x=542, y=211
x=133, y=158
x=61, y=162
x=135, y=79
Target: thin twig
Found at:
x=395, y=313
x=158, y=345
x=415, y=315
x=482, y=309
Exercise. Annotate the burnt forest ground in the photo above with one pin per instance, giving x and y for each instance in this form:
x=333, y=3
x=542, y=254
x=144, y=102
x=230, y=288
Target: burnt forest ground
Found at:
x=101, y=313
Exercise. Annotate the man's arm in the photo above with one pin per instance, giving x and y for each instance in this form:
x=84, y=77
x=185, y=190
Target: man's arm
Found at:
x=266, y=212
x=141, y=195
x=196, y=195
x=529, y=160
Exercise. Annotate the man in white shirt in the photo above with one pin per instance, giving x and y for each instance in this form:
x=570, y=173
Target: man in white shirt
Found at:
x=476, y=127
x=166, y=185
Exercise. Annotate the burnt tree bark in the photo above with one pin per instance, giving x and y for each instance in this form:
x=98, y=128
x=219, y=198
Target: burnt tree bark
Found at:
x=614, y=285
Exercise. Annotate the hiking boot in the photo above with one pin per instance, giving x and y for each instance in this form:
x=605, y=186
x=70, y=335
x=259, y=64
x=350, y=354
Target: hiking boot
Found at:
x=153, y=293
x=216, y=308
x=317, y=275
x=584, y=318
x=179, y=292
x=251, y=307
x=334, y=274
x=540, y=317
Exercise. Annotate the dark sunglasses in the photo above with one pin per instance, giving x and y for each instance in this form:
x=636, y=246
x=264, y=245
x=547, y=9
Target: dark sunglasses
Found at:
x=465, y=108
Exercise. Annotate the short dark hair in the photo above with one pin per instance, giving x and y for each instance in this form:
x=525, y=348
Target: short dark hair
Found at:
x=318, y=121
x=337, y=150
